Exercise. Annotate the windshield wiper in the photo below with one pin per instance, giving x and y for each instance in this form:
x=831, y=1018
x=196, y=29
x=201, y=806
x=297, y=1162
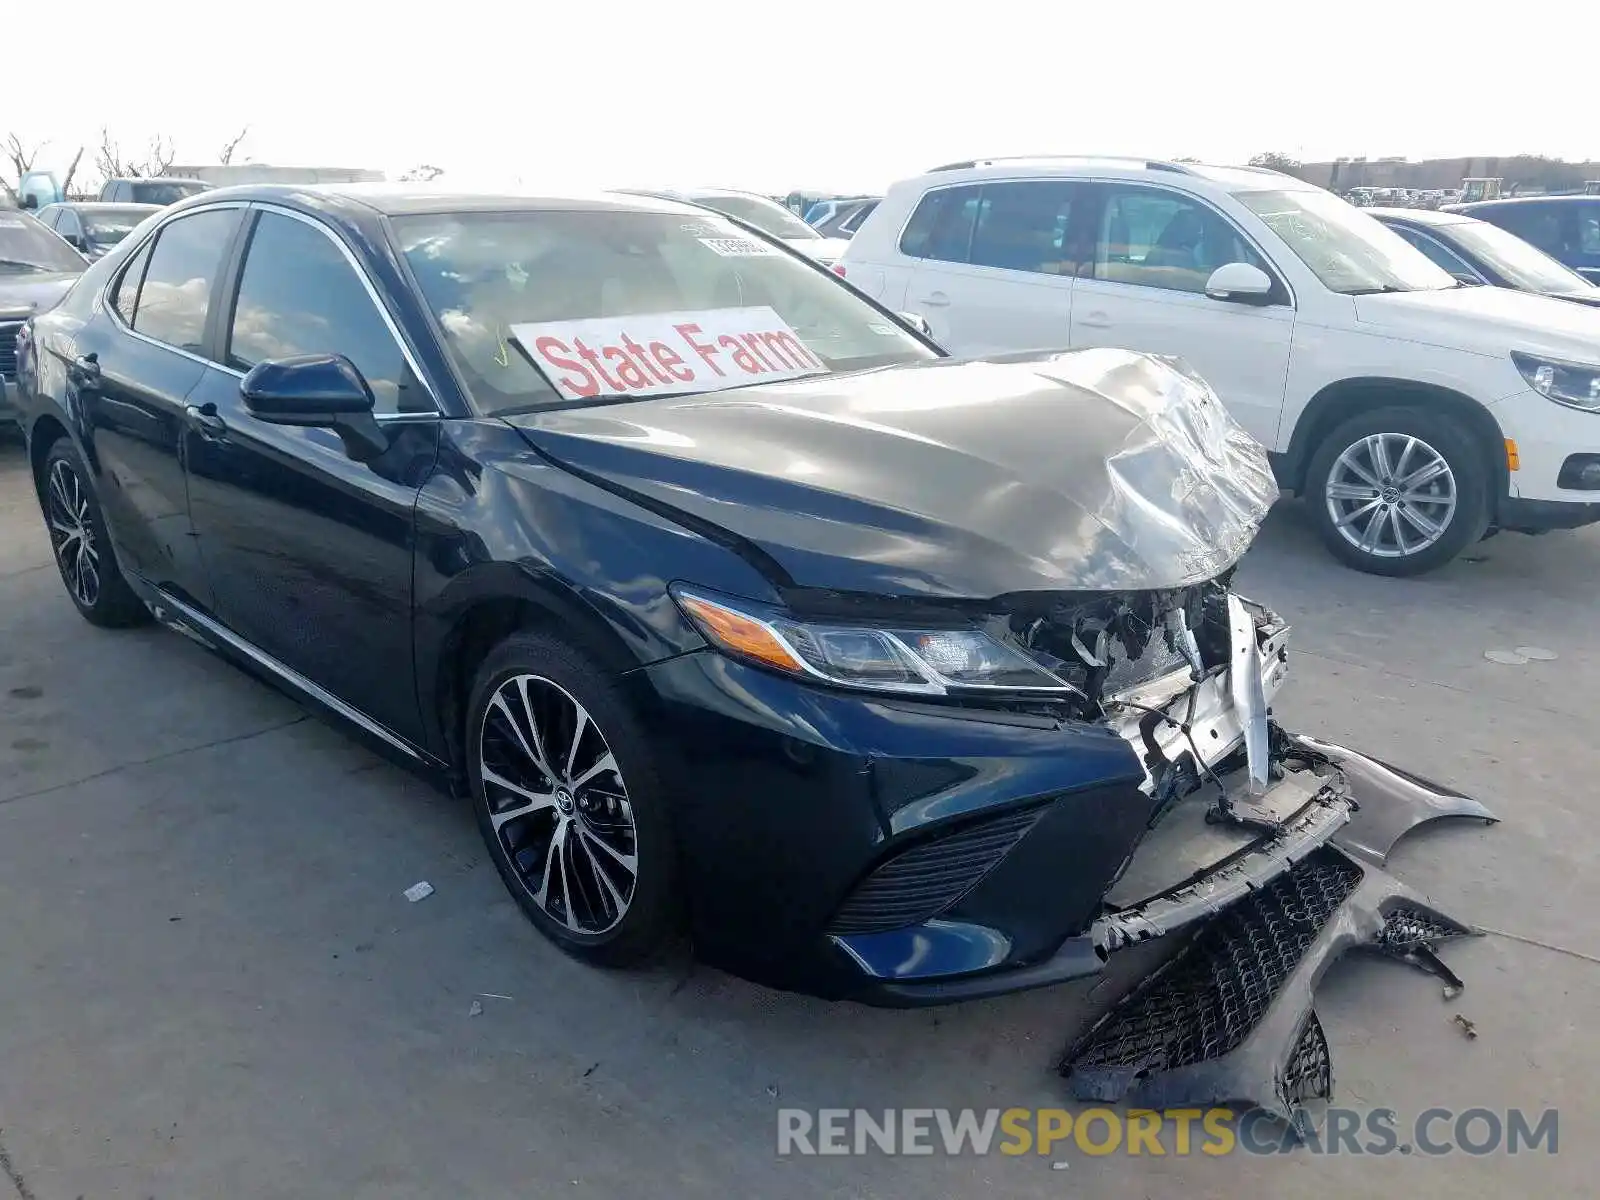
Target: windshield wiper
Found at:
x=27, y=266
x=1384, y=289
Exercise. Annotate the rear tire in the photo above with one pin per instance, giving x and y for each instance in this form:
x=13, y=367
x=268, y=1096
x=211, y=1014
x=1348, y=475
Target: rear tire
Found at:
x=1398, y=491
x=569, y=795
x=83, y=551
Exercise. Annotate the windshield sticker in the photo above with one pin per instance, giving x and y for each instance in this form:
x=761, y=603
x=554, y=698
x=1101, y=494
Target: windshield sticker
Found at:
x=733, y=247
x=663, y=354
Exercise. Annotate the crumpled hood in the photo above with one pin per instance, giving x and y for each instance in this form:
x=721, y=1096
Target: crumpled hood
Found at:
x=1487, y=320
x=1094, y=470
x=24, y=295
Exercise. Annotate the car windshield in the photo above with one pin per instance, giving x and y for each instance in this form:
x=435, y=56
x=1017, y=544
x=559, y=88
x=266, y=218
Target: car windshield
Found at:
x=1348, y=250
x=1522, y=264
x=639, y=303
x=108, y=226
x=165, y=191
x=766, y=215
x=28, y=248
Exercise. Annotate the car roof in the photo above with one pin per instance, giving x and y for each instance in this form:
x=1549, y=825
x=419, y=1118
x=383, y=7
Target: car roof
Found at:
x=152, y=179
x=104, y=204
x=1228, y=178
x=399, y=199
x=1420, y=216
x=1507, y=201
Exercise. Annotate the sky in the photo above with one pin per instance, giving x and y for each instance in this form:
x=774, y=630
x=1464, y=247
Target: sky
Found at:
x=776, y=96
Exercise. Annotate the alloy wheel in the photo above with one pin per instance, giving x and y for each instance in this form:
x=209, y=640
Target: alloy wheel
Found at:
x=72, y=533
x=558, y=804
x=1391, y=495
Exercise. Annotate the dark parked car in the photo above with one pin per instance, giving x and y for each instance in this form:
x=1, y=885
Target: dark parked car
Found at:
x=93, y=228
x=1476, y=251
x=1565, y=227
x=37, y=269
x=161, y=189
x=846, y=218
x=720, y=592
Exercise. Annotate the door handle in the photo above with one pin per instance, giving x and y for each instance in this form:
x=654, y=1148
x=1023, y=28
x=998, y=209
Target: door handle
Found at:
x=86, y=369
x=935, y=300
x=1095, y=320
x=204, y=419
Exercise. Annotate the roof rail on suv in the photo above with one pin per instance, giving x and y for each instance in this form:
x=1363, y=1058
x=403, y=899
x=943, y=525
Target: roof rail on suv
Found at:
x=1150, y=164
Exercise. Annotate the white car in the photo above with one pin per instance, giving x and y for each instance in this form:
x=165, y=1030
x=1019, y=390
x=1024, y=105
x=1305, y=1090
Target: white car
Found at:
x=765, y=214
x=1414, y=413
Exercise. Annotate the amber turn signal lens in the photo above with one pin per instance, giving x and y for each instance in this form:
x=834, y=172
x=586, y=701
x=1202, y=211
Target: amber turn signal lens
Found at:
x=1513, y=463
x=739, y=634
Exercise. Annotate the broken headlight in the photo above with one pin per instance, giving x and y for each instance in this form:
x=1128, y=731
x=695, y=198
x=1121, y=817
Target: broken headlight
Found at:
x=1577, y=385
x=887, y=658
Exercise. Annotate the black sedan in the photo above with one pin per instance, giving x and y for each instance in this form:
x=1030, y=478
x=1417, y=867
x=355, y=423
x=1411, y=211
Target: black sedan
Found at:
x=1475, y=251
x=725, y=597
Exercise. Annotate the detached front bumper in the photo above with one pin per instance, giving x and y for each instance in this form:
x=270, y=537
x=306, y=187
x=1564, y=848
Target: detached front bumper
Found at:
x=906, y=853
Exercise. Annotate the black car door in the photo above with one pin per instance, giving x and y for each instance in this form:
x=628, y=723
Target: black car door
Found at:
x=307, y=550
x=135, y=367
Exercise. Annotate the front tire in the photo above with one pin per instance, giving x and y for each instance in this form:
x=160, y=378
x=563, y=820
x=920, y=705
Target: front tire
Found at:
x=1398, y=491
x=569, y=798
x=83, y=551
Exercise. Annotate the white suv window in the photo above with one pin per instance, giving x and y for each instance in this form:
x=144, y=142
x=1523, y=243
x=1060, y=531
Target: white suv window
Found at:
x=1156, y=238
x=1023, y=227
x=941, y=227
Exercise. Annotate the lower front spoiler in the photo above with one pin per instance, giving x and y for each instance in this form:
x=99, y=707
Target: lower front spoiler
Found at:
x=1229, y=1019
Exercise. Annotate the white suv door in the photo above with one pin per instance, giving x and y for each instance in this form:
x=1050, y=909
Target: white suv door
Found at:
x=1144, y=289
x=992, y=265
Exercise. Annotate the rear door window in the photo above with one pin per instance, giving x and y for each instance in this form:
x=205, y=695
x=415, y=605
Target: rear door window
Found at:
x=1023, y=227
x=175, y=299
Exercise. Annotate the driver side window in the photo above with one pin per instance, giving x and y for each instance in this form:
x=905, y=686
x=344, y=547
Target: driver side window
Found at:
x=298, y=294
x=1155, y=238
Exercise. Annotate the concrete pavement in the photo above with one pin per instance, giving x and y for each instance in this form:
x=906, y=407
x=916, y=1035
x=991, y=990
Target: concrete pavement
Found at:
x=210, y=984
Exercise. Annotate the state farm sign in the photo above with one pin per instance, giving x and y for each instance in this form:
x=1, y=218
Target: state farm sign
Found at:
x=659, y=354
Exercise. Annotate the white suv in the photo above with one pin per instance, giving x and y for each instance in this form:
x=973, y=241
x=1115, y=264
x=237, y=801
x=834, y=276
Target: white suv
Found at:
x=1414, y=412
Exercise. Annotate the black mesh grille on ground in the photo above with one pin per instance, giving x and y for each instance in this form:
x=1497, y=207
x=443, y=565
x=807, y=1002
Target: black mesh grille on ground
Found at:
x=923, y=881
x=8, y=349
x=1308, y=1075
x=1407, y=927
x=1213, y=993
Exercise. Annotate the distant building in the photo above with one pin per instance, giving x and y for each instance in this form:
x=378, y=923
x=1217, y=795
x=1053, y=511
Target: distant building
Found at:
x=1524, y=171
x=226, y=174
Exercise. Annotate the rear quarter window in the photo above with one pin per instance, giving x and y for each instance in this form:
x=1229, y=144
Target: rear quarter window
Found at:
x=941, y=226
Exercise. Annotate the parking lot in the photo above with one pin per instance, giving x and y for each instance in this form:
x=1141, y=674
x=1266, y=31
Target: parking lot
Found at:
x=211, y=984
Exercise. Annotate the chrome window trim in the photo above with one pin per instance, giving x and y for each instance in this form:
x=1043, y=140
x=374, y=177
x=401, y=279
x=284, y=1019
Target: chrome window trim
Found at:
x=103, y=301
x=316, y=691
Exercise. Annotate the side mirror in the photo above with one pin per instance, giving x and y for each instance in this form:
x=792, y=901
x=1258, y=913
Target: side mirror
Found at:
x=919, y=323
x=1240, y=283
x=321, y=391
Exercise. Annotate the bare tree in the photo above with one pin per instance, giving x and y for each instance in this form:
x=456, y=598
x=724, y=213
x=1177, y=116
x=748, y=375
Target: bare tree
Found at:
x=422, y=174
x=113, y=164
x=225, y=155
x=19, y=156
x=66, y=182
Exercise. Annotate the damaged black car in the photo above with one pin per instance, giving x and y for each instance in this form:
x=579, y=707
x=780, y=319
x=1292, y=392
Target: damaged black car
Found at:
x=733, y=605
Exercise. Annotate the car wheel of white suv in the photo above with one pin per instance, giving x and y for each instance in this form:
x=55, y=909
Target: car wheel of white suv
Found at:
x=1398, y=491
